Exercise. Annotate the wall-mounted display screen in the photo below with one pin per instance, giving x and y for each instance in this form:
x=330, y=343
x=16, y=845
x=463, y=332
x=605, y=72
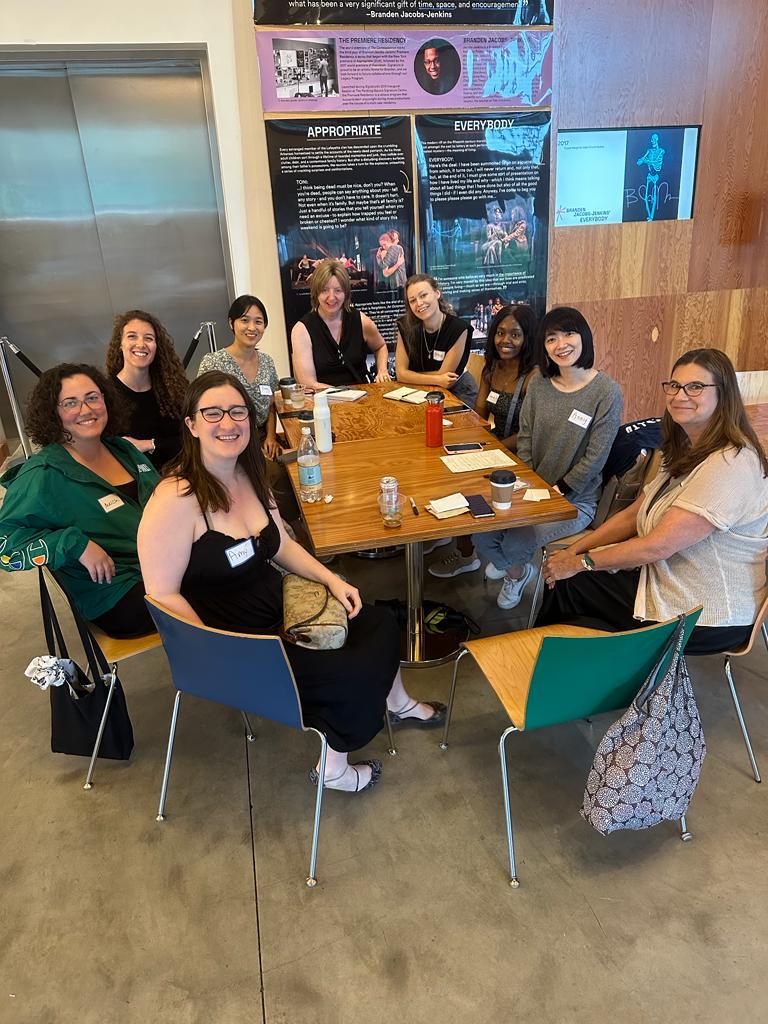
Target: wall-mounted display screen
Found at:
x=615, y=175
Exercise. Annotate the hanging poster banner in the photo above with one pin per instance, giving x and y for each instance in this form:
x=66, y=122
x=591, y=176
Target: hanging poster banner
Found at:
x=404, y=12
x=343, y=187
x=615, y=175
x=313, y=72
x=484, y=209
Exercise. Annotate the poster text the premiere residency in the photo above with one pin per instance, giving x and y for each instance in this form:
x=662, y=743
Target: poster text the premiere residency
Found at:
x=484, y=200
x=344, y=188
x=404, y=12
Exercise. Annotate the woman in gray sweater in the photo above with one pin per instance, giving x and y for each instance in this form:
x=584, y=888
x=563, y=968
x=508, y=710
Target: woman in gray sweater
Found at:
x=570, y=417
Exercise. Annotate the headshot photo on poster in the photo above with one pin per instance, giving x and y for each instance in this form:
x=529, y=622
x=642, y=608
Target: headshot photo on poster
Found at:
x=437, y=67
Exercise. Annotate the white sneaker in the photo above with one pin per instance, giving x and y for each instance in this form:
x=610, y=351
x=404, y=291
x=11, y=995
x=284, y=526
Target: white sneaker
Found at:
x=454, y=564
x=511, y=591
x=492, y=573
x=432, y=545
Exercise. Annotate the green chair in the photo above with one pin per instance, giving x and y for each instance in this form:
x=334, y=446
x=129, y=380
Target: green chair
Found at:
x=556, y=674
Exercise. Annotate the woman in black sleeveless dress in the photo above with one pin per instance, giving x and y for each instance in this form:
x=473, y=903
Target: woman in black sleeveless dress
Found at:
x=330, y=345
x=206, y=545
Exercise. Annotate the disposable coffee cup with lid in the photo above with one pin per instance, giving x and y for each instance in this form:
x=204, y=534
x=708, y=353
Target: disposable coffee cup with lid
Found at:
x=502, y=488
x=287, y=386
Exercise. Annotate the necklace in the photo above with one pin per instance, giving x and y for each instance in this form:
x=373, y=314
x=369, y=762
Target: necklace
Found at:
x=424, y=333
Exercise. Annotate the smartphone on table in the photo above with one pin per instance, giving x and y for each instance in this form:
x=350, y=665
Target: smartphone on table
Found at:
x=468, y=446
x=479, y=507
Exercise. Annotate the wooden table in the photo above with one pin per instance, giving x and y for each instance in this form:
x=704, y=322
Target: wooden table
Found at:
x=351, y=473
x=376, y=417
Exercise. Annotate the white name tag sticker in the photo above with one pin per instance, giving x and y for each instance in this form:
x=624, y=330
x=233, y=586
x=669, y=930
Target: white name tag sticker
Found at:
x=110, y=502
x=580, y=419
x=143, y=467
x=439, y=355
x=265, y=389
x=493, y=397
x=240, y=553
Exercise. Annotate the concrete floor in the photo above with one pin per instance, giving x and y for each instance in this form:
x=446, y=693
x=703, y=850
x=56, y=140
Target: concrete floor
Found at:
x=109, y=916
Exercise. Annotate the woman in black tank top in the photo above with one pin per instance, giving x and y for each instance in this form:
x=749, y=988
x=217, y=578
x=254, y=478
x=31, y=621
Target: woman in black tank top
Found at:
x=207, y=545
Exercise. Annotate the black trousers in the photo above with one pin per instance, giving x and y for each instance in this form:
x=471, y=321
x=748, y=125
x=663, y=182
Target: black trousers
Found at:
x=130, y=617
x=606, y=600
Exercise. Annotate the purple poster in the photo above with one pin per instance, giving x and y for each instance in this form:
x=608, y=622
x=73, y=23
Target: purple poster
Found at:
x=313, y=72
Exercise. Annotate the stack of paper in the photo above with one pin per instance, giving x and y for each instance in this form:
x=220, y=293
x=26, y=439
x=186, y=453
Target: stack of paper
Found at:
x=345, y=395
x=536, y=494
x=472, y=461
x=412, y=395
x=448, y=507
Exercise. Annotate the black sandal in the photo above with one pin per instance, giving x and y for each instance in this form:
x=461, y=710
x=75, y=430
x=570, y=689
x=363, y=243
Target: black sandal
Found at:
x=396, y=717
x=374, y=764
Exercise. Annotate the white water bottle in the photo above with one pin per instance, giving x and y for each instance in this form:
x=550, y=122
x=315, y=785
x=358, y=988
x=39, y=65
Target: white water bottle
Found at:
x=308, y=458
x=323, y=434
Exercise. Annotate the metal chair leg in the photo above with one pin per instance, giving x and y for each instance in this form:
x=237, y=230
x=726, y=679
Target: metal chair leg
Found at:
x=392, y=748
x=311, y=878
x=88, y=784
x=513, y=880
x=536, y=596
x=685, y=835
x=249, y=733
x=449, y=712
x=765, y=633
x=168, y=756
x=742, y=723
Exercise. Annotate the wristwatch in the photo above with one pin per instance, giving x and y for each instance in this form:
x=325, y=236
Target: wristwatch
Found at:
x=588, y=562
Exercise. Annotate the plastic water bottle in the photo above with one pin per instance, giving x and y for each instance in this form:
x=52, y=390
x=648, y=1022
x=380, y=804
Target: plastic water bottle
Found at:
x=323, y=435
x=308, y=458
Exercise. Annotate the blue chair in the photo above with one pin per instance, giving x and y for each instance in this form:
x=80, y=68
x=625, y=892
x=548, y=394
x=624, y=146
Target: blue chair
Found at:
x=241, y=671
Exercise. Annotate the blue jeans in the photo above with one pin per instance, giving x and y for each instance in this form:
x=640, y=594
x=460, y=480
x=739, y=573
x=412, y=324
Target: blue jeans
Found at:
x=518, y=545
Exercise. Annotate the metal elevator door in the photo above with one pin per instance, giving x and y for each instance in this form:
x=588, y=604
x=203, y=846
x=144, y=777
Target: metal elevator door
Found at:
x=109, y=200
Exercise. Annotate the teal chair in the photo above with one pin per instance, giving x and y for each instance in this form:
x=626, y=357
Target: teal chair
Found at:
x=250, y=673
x=555, y=674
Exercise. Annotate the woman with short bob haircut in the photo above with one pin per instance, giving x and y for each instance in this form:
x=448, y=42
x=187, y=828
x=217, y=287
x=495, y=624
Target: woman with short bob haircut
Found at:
x=330, y=344
x=698, y=534
x=207, y=544
x=76, y=504
x=150, y=379
x=569, y=420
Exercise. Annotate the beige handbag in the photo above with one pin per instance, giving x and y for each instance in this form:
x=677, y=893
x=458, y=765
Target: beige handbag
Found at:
x=312, y=616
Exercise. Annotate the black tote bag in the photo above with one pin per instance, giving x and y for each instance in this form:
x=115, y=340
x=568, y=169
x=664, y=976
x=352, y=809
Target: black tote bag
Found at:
x=75, y=722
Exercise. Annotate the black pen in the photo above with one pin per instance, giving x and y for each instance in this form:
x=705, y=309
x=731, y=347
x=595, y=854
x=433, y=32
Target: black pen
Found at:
x=414, y=506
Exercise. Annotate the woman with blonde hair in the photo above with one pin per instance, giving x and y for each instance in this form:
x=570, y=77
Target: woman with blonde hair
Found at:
x=330, y=345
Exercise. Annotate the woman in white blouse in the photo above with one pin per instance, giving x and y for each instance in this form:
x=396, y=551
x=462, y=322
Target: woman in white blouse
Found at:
x=698, y=534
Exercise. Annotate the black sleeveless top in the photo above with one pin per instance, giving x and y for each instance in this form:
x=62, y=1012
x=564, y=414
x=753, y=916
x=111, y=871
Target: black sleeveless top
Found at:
x=246, y=598
x=342, y=363
x=421, y=345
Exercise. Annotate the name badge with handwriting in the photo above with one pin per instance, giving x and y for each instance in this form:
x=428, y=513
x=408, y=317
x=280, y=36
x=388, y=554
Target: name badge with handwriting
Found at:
x=438, y=355
x=265, y=389
x=240, y=553
x=493, y=397
x=580, y=419
x=110, y=502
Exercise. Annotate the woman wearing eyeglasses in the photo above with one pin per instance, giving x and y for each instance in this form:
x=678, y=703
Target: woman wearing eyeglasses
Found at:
x=207, y=544
x=697, y=535
x=76, y=504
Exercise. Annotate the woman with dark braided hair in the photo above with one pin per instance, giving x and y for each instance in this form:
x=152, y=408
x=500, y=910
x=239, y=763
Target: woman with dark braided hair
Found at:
x=150, y=378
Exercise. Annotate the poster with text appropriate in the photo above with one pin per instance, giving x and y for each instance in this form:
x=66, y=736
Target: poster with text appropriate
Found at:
x=314, y=72
x=404, y=12
x=344, y=188
x=610, y=176
x=484, y=202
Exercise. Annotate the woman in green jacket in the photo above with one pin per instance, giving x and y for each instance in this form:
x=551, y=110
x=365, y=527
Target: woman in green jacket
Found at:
x=76, y=504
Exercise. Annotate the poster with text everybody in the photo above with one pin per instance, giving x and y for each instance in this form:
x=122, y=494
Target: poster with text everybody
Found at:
x=343, y=187
x=404, y=12
x=315, y=72
x=484, y=209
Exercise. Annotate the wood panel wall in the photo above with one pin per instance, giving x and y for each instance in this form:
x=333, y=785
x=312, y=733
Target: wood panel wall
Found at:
x=652, y=291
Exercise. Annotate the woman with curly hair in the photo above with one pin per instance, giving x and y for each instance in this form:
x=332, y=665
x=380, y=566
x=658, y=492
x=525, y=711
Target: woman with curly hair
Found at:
x=149, y=377
x=76, y=504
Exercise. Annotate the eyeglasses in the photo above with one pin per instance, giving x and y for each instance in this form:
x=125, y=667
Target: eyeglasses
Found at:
x=213, y=414
x=692, y=390
x=94, y=400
